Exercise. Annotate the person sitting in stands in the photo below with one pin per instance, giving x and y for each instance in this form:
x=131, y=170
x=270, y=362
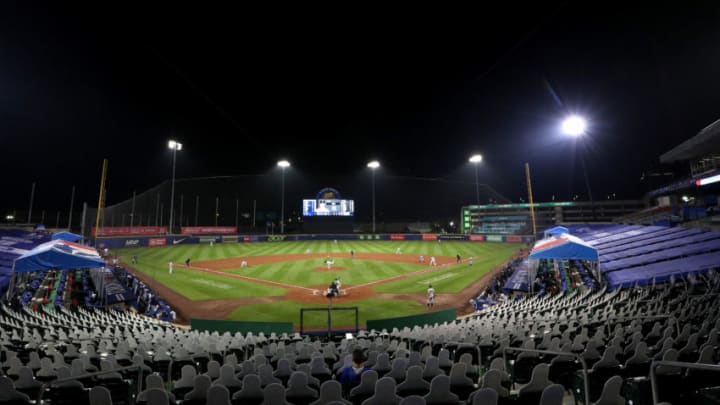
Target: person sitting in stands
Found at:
x=350, y=375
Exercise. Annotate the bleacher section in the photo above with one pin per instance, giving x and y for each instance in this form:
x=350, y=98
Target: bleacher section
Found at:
x=13, y=244
x=616, y=334
x=584, y=345
x=642, y=255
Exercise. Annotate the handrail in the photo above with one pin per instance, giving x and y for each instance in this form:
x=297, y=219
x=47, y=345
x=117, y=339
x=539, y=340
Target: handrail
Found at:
x=695, y=366
x=577, y=356
x=47, y=384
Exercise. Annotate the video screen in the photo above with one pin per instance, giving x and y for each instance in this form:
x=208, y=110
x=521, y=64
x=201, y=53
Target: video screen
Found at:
x=329, y=208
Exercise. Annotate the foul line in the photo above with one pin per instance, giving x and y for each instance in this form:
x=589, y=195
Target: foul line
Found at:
x=253, y=279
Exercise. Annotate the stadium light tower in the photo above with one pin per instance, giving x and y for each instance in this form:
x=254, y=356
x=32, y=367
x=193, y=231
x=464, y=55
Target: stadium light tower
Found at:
x=175, y=146
x=373, y=165
x=476, y=159
x=283, y=164
x=576, y=126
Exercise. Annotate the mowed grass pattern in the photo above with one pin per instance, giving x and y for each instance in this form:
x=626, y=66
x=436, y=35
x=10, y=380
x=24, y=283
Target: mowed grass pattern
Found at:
x=299, y=272
x=288, y=311
x=153, y=261
x=451, y=279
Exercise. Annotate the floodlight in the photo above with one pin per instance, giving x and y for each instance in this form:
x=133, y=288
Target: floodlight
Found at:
x=475, y=159
x=574, y=125
x=374, y=164
x=283, y=163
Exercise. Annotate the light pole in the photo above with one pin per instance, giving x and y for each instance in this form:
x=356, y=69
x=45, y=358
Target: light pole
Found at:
x=175, y=146
x=476, y=159
x=373, y=165
x=576, y=126
x=283, y=164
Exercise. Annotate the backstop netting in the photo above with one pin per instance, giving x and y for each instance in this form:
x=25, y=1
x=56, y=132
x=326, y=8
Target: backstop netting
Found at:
x=252, y=202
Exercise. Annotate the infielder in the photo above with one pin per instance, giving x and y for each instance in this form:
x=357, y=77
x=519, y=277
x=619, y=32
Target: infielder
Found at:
x=430, y=296
x=170, y=267
x=432, y=261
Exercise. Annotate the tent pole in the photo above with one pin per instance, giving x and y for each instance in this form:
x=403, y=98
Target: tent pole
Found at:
x=11, y=286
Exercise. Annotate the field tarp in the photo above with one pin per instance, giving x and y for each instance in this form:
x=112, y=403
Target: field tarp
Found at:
x=446, y=315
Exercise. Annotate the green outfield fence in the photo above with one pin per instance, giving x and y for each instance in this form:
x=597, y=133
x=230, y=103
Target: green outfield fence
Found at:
x=243, y=327
x=446, y=315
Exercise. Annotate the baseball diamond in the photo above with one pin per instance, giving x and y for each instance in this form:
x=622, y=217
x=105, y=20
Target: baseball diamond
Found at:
x=281, y=277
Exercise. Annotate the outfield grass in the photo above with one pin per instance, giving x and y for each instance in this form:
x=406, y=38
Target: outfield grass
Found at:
x=203, y=251
x=153, y=261
x=288, y=311
x=299, y=272
x=194, y=286
x=451, y=279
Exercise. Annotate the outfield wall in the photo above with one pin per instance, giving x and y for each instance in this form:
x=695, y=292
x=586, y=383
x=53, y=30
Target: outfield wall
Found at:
x=143, y=241
x=430, y=318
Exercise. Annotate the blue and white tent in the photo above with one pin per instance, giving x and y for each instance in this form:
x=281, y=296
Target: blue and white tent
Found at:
x=557, y=230
x=564, y=247
x=58, y=254
x=561, y=247
x=68, y=236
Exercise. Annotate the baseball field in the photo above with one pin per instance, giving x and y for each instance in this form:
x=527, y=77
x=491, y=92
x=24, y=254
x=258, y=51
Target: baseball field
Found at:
x=282, y=277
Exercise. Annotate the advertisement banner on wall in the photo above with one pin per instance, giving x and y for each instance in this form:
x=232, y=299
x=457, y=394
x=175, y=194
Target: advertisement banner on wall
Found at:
x=208, y=230
x=397, y=236
x=513, y=239
x=132, y=243
x=452, y=237
x=494, y=238
x=477, y=238
x=129, y=231
x=429, y=236
x=157, y=242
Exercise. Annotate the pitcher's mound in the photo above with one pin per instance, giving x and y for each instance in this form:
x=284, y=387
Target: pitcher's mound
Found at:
x=331, y=270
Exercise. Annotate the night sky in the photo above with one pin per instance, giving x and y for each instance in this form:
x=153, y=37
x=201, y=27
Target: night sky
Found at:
x=330, y=89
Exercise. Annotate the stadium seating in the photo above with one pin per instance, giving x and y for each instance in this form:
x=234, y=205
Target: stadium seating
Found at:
x=612, y=331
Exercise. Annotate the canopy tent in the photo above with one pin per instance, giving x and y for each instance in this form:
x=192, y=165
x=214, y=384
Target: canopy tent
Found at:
x=557, y=230
x=563, y=247
x=58, y=254
x=68, y=236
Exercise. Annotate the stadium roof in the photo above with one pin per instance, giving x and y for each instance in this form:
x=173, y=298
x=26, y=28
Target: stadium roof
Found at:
x=707, y=141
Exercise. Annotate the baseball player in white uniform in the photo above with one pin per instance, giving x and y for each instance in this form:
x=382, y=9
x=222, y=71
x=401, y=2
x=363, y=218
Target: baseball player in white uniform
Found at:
x=430, y=296
x=432, y=261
